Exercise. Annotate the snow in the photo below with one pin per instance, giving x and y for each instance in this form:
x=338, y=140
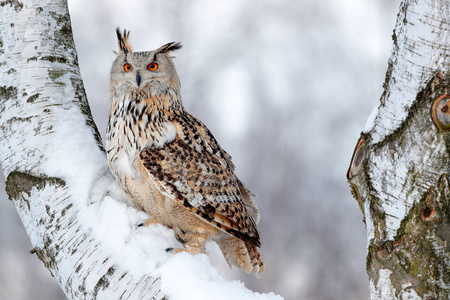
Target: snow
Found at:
x=190, y=277
x=74, y=155
x=140, y=250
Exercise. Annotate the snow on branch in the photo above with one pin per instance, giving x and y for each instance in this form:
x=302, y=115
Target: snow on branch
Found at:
x=81, y=224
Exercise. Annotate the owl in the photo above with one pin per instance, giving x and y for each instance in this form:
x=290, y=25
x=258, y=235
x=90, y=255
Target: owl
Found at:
x=170, y=163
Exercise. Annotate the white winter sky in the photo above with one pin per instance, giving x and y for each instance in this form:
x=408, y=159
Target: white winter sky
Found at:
x=295, y=79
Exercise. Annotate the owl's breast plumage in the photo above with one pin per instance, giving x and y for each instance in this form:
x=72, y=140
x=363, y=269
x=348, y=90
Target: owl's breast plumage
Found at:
x=133, y=126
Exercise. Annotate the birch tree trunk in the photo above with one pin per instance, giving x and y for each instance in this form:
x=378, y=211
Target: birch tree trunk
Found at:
x=42, y=103
x=399, y=172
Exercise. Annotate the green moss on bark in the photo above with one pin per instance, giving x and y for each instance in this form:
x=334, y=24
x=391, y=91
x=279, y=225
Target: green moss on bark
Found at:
x=419, y=254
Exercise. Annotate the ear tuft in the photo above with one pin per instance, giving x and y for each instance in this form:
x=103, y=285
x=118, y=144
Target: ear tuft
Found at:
x=124, y=44
x=169, y=47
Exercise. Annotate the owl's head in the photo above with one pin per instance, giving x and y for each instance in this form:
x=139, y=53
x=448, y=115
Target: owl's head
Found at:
x=148, y=69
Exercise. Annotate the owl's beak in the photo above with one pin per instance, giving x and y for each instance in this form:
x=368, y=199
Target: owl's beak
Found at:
x=138, y=78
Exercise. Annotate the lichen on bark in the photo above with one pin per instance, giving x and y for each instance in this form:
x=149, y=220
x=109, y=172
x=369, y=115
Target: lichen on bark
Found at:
x=410, y=165
x=20, y=182
x=8, y=92
x=17, y=5
x=418, y=255
x=19, y=187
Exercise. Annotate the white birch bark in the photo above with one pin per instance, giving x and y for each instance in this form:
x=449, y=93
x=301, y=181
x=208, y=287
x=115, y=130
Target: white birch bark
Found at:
x=400, y=168
x=82, y=225
x=42, y=104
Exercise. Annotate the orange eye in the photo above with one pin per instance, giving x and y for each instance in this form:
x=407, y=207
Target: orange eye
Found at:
x=127, y=67
x=152, y=66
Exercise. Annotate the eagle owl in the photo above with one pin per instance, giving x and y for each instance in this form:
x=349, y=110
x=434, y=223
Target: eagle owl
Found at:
x=171, y=164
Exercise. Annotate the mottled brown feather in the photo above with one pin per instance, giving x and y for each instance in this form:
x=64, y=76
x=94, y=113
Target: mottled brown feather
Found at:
x=203, y=184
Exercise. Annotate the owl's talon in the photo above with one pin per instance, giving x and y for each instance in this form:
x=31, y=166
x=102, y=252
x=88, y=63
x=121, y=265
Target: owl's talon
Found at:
x=190, y=250
x=148, y=222
x=169, y=249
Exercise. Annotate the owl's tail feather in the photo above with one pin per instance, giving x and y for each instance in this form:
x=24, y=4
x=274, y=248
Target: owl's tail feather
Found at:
x=241, y=254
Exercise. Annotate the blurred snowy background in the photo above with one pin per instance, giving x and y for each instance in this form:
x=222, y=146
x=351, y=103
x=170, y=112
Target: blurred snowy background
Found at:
x=286, y=88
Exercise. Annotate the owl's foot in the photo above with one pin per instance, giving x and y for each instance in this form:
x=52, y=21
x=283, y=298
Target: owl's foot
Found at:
x=192, y=250
x=148, y=222
x=192, y=240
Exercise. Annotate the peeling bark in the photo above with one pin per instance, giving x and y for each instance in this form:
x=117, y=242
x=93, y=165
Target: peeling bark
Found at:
x=399, y=172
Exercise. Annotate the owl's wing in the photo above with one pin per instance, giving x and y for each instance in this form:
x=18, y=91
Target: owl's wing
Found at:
x=194, y=133
x=204, y=182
